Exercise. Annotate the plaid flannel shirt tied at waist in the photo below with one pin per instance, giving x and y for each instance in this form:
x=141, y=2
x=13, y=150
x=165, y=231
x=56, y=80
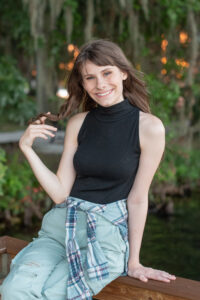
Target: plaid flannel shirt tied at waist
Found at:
x=96, y=263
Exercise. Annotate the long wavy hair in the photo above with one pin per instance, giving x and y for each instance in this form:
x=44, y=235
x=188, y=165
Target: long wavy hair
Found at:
x=100, y=52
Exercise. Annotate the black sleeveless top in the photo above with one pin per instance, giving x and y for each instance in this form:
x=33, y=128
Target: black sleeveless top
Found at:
x=107, y=157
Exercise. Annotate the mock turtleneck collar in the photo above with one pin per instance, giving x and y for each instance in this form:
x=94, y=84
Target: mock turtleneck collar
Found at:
x=115, y=111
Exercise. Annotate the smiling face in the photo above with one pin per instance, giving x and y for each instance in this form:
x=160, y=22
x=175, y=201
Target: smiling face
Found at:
x=104, y=84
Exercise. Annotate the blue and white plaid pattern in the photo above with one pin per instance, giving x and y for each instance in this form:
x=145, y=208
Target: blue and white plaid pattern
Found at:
x=96, y=264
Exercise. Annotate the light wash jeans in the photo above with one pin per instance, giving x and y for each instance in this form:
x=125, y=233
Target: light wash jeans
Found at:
x=40, y=270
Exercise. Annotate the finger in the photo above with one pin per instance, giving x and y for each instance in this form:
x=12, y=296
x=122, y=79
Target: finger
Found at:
x=158, y=276
x=41, y=135
x=44, y=126
x=143, y=278
x=37, y=122
x=42, y=119
x=166, y=274
x=169, y=276
x=43, y=131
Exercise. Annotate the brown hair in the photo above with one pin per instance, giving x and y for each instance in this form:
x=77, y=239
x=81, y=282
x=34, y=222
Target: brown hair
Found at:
x=100, y=52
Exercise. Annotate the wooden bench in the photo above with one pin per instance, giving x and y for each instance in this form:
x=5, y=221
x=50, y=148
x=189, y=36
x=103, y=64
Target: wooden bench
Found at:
x=122, y=288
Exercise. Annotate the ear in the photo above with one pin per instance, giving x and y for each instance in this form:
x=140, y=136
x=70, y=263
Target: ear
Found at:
x=124, y=75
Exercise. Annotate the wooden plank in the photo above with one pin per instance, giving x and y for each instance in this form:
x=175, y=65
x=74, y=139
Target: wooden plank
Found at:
x=122, y=292
x=11, y=245
x=5, y=260
x=125, y=288
x=133, y=289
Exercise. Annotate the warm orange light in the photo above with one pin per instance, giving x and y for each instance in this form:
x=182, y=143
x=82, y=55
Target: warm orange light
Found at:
x=61, y=66
x=34, y=73
x=164, y=60
x=76, y=52
x=164, y=44
x=69, y=66
x=70, y=47
x=181, y=62
x=178, y=75
x=183, y=37
x=163, y=71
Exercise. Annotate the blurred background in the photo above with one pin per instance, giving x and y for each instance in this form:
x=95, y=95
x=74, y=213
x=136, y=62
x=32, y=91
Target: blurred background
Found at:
x=39, y=41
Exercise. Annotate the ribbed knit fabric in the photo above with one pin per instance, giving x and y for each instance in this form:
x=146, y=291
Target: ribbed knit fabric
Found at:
x=107, y=157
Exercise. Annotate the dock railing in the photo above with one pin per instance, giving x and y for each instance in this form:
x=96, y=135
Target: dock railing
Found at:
x=122, y=288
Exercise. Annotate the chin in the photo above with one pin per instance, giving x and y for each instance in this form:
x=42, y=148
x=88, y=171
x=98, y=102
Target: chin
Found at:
x=107, y=102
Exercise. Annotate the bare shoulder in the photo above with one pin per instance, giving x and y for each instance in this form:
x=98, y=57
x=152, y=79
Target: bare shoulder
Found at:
x=76, y=120
x=74, y=124
x=151, y=129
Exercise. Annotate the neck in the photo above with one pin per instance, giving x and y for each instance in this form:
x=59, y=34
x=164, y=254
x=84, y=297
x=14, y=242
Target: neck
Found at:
x=115, y=111
x=105, y=107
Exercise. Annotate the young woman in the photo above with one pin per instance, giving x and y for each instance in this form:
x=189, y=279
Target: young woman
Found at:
x=111, y=152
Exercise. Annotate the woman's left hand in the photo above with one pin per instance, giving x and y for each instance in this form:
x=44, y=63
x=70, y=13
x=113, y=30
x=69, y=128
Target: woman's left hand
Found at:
x=144, y=273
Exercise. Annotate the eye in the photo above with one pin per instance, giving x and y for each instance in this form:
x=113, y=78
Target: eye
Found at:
x=107, y=73
x=89, y=78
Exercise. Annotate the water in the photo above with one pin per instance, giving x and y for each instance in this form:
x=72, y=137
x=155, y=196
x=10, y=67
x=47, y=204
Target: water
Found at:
x=171, y=244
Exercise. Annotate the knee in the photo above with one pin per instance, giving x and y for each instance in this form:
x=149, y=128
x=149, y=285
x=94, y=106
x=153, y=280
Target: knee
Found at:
x=8, y=289
x=16, y=286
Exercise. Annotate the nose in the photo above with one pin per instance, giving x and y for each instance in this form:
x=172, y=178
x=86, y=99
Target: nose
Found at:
x=100, y=83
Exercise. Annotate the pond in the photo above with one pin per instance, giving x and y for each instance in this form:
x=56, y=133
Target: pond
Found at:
x=169, y=243
x=173, y=243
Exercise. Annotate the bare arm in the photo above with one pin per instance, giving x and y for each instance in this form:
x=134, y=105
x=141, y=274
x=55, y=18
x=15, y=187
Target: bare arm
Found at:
x=152, y=142
x=57, y=186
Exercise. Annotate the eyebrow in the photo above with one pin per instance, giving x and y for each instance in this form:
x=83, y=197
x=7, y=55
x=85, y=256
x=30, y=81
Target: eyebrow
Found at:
x=101, y=71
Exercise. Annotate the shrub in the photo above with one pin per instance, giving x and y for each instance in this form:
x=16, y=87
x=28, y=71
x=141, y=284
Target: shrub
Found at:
x=20, y=192
x=15, y=105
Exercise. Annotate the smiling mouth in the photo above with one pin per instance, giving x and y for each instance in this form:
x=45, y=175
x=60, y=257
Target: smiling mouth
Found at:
x=104, y=94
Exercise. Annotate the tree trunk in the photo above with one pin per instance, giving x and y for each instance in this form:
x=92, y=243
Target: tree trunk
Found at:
x=43, y=22
x=190, y=76
x=144, y=4
x=133, y=24
x=41, y=93
x=55, y=9
x=111, y=21
x=69, y=23
x=89, y=20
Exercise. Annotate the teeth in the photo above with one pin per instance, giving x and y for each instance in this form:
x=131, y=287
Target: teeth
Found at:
x=104, y=93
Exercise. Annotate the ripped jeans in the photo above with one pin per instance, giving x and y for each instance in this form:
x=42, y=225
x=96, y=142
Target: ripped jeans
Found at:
x=40, y=270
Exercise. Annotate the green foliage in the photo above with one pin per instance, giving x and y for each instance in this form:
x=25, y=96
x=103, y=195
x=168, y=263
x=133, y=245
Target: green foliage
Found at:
x=163, y=97
x=15, y=105
x=15, y=25
x=179, y=166
x=18, y=185
x=72, y=3
x=3, y=169
x=162, y=100
x=188, y=167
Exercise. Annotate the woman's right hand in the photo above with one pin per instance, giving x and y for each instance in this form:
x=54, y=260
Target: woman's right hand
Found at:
x=38, y=129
